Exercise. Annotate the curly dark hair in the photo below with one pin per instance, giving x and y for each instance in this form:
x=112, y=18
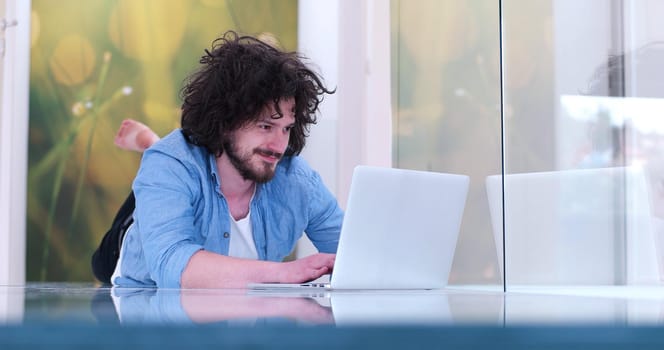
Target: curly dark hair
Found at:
x=239, y=76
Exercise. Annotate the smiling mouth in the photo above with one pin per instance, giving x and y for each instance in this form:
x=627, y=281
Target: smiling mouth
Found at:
x=270, y=156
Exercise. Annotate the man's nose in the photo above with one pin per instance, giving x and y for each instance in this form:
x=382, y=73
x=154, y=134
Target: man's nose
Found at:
x=279, y=140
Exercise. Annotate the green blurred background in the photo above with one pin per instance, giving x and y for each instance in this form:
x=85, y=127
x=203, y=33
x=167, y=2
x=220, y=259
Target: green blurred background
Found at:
x=93, y=64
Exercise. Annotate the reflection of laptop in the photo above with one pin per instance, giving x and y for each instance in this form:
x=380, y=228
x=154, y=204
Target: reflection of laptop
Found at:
x=588, y=226
x=399, y=231
x=385, y=308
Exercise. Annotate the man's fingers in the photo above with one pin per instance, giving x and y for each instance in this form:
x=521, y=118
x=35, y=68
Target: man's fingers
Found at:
x=323, y=259
x=319, y=272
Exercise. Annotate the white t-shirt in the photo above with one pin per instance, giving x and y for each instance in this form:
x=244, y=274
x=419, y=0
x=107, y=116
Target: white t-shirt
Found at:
x=242, y=243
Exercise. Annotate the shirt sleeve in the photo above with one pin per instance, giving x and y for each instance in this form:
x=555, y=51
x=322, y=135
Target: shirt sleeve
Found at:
x=325, y=216
x=165, y=190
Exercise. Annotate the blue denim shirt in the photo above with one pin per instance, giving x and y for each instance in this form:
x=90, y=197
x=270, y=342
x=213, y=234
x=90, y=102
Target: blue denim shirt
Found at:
x=180, y=210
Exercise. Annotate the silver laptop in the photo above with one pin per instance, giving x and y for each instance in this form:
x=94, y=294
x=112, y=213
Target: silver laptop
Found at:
x=399, y=231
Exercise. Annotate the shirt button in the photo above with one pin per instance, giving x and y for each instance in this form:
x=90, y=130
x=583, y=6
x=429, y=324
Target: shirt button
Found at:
x=226, y=234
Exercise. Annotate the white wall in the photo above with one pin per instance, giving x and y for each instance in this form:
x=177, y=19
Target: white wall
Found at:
x=643, y=23
x=318, y=39
x=365, y=117
x=350, y=41
x=14, y=142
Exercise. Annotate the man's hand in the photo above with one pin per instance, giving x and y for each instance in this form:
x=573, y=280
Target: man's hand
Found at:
x=305, y=269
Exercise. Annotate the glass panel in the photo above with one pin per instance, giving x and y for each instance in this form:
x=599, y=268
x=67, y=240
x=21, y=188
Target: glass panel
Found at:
x=584, y=175
x=446, y=87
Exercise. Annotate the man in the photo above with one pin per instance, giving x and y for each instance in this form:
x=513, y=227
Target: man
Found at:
x=221, y=201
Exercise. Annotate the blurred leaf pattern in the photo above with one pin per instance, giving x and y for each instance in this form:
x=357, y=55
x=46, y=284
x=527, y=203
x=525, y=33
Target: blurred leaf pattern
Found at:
x=93, y=64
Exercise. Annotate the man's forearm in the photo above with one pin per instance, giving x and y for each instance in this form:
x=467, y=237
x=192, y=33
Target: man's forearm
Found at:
x=210, y=270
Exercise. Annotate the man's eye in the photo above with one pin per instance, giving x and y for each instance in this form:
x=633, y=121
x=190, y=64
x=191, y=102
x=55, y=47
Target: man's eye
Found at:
x=264, y=126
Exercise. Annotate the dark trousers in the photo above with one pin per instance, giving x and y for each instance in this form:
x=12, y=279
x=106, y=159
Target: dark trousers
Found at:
x=105, y=258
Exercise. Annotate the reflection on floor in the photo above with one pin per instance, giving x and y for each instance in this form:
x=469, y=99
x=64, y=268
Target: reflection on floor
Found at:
x=25, y=310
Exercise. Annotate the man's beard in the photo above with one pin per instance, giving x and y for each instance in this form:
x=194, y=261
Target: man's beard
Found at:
x=261, y=173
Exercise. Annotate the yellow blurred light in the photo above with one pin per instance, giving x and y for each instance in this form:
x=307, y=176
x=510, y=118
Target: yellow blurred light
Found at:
x=35, y=27
x=73, y=60
x=213, y=3
x=78, y=109
x=148, y=30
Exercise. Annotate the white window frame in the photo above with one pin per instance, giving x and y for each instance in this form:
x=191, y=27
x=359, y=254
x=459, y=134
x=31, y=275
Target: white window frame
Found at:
x=14, y=141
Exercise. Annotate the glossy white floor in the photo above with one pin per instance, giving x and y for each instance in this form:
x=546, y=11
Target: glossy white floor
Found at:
x=38, y=303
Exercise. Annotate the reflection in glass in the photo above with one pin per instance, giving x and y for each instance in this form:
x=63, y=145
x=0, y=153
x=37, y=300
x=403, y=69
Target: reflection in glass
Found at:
x=576, y=227
x=77, y=304
x=583, y=170
x=235, y=307
x=11, y=306
x=600, y=225
x=253, y=308
x=579, y=306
